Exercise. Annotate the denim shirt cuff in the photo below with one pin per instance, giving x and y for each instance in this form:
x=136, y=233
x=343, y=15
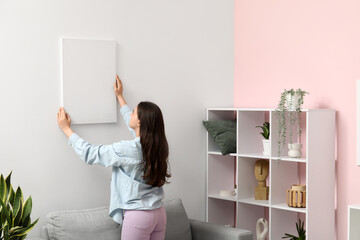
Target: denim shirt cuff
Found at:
x=72, y=139
x=124, y=109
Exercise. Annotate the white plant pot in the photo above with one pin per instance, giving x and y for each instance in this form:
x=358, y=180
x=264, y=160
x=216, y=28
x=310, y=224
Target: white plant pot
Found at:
x=266, y=144
x=294, y=150
x=292, y=101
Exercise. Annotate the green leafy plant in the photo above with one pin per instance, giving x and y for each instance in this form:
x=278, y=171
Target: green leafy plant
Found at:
x=266, y=130
x=15, y=221
x=283, y=110
x=301, y=232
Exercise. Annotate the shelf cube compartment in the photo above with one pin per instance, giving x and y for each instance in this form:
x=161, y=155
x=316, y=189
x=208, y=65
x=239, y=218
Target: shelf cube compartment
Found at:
x=283, y=221
x=284, y=174
x=274, y=133
x=248, y=215
x=221, y=211
x=218, y=115
x=250, y=139
x=247, y=181
x=221, y=173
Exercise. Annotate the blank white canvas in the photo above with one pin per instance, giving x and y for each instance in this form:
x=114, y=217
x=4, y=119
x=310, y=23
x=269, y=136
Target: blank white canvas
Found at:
x=88, y=74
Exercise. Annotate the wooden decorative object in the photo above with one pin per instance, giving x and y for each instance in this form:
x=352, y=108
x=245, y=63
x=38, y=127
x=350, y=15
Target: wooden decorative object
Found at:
x=296, y=196
x=261, y=173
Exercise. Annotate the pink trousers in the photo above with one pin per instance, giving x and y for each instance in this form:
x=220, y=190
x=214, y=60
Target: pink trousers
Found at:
x=144, y=224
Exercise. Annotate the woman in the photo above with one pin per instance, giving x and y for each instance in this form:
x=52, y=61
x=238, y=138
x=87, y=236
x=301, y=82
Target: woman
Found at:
x=139, y=168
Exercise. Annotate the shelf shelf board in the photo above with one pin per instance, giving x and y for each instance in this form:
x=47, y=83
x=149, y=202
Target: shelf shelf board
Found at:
x=239, y=109
x=290, y=159
x=262, y=156
x=268, y=109
x=214, y=153
x=227, y=198
x=252, y=201
x=219, y=153
x=254, y=155
x=284, y=206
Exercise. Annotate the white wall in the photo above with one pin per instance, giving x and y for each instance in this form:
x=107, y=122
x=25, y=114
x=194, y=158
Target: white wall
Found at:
x=177, y=53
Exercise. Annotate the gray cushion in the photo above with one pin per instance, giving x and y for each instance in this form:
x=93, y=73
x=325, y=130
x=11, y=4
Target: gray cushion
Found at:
x=89, y=224
x=178, y=225
x=224, y=134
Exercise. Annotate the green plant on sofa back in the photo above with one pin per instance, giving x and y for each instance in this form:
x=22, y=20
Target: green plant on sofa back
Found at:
x=14, y=212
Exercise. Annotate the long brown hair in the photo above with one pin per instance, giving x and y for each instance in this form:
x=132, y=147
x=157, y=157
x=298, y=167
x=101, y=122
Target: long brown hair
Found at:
x=155, y=149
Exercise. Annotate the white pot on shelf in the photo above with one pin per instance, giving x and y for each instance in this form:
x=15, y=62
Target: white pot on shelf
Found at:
x=266, y=144
x=292, y=101
x=294, y=150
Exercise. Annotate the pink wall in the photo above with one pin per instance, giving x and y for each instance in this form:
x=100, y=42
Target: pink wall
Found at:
x=313, y=45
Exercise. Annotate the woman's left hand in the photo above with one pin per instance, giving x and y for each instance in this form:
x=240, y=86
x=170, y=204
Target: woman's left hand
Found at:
x=64, y=121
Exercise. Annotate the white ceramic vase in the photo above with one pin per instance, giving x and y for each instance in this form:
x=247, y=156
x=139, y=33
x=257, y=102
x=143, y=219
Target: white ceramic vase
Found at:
x=261, y=235
x=294, y=150
x=266, y=144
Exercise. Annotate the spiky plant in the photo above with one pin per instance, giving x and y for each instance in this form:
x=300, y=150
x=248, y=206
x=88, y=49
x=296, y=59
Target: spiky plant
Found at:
x=301, y=232
x=266, y=130
x=15, y=221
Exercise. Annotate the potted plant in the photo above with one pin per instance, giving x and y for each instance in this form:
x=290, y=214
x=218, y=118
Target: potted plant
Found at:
x=265, y=133
x=14, y=212
x=301, y=232
x=289, y=107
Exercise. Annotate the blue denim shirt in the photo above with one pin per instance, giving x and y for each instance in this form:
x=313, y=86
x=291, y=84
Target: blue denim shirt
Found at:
x=128, y=189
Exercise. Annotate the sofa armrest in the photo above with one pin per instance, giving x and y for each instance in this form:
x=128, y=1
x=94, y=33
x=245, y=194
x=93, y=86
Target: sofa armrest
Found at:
x=209, y=231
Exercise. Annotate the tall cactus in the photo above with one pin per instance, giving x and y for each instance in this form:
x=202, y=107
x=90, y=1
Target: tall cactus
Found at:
x=15, y=221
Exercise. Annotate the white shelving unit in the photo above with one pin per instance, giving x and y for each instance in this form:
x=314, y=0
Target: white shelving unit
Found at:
x=316, y=169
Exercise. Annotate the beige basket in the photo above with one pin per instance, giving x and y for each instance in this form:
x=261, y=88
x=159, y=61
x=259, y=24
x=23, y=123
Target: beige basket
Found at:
x=296, y=196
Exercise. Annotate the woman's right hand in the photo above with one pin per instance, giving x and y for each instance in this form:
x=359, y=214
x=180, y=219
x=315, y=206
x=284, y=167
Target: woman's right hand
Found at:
x=118, y=87
x=64, y=122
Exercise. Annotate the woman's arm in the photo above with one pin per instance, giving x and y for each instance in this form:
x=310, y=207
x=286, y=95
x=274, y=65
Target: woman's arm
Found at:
x=125, y=109
x=103, y=155
x=118, y=90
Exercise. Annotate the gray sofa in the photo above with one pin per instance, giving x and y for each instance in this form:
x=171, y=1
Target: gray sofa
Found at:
x=95, y=224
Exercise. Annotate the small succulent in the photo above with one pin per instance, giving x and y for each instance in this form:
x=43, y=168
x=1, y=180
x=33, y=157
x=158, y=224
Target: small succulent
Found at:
x=266, y=130
x=301, y=232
